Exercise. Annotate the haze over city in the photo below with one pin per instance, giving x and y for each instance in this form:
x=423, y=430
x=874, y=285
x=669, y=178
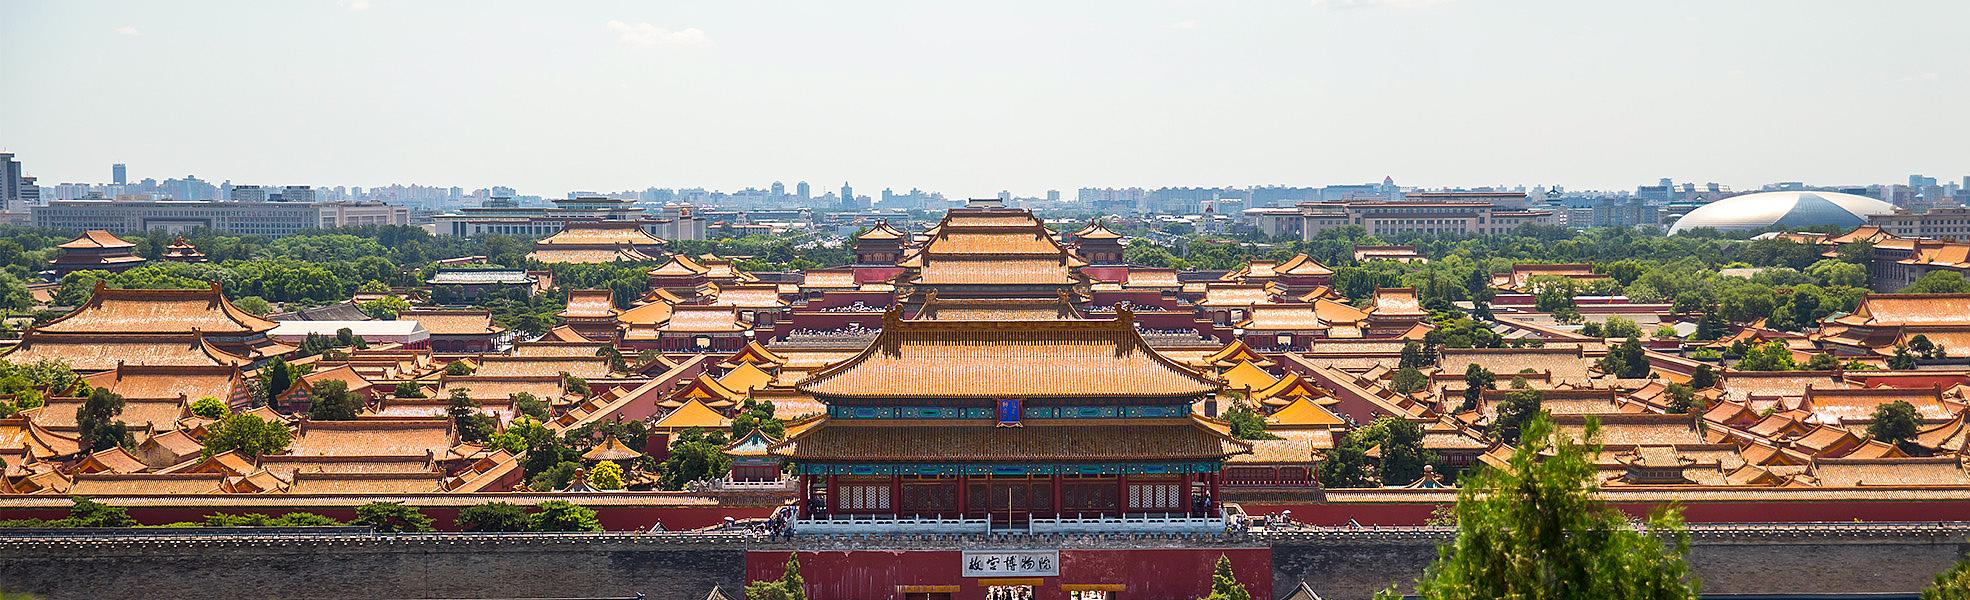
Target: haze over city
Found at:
x=970, y=99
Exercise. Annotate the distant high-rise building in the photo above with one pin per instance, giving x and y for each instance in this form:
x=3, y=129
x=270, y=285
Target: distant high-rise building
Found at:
x=804, y=192
x=1053, y=195
x=1919, y=182
x=10, y=182
x=30, y=192
x=297, y=193
x=779, y=190
x=118, y=174
x=848, y=196
x=248, y=193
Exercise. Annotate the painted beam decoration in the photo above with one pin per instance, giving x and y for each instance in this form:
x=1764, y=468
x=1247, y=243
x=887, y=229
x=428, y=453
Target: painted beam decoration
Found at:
x=1011, y=563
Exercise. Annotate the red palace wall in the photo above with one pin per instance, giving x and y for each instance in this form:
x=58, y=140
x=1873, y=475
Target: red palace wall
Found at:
x=1800, y=511
x=1149, y=574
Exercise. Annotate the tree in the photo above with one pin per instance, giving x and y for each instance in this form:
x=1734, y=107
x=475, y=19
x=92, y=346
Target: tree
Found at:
x=248, y=434
x=561, y=515
x=458, y=368
x=757, y=415
x=1703, y=378
x=607, y=475
x=1895, y=423
x=472, y=424
x=1953, y=584
x=554, y=478
x=493, y=516
x=1619, y=327
x=408, y=389
x=1409, y=381
x=1769, y=356
x=386, y=308
x=1414, y=355
x=1224, y=583
x=1823, y=362
x=277, y=378
x=1902, y=360
x=1346, y=465
x=331, y=401
x=96, y=422
x=254, y=304
x=527, y=404
x=1403, y=454
x=1476, y=381
x=694, y=456
x=1939, y=282
x=1682, y=399
x=1246, y=424
x=1627, y=360
x=1521, y=405
x=789, y=586
x=210, y=407
x=90, y=513
x=1536, y=529
x=1710, y=326
x=392, y=517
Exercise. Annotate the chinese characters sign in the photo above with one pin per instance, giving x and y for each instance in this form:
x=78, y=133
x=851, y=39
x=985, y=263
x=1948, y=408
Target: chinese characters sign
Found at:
x=1009, y=411
x=1011, y=563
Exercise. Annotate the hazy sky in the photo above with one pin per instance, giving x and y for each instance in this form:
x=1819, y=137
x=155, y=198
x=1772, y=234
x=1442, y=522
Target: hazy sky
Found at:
x=973, y=97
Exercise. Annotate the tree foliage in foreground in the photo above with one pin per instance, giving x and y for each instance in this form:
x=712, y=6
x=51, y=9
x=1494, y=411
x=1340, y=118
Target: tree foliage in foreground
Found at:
x=790, y=586
x=1536, y=530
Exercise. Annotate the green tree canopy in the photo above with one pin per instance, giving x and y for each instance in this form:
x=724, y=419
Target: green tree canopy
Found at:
x=1895, y=423
x=561, y=515
x=493, y=516
x=1535, y=529
x=392, y=517
x=249, y=434
x=790, y=586
x=331, y=401
x=1224, y=583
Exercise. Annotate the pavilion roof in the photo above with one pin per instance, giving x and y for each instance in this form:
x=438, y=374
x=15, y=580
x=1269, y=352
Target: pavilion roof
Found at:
x=590, y=304
x=1890, y=310
x=646, y=314
x=558, y=349
x=1235, y=295
x=161, y=413
x=745, y=378
x=146, y=484
x=599, y=233
x=749, y=296
x=192, y=382
x=35, y=439
x=1234, y=353
x=97, y=239
x=997, y=309
x=693, y=414
x=1002, y=271
x=1301, y=265
x=590, y=256
x=1063, y=440
x=1901, y=472
x=1303, y=412
x=611, y=449
x=1291, y=386
x=754, y=353
x=1144, y=277
x=286, y=465
x=881, y=231
x=565, y=334
x=1248, y=377
x=113, y=310
x=1624, y=430
x=306, y=482
x=698, y=318
x=680, y=266
x=1283, y=317
x=373, y=437
x=1096, y=230
x=454, y=322
x=1031, y=359
x=113, y=460
x=585, y=367
x=1398, y=302
x=1857, y=405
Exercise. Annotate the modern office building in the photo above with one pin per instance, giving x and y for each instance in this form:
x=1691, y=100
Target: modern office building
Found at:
x=10, y=182
x=118, y=174
x=1405, y=216
x=673, y=222
x=247, y=193
x=297, y=193
x=272, y=219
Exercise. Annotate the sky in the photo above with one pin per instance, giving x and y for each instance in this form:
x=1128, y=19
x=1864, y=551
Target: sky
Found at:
x=970, y=98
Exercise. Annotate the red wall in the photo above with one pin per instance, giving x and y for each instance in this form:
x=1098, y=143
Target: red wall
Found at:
x=1150, y=574
x=1800, y=511
x=614, y=518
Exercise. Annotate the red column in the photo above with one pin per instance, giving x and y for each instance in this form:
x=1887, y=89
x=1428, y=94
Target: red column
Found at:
x=834, y=494
x=806, y=494
x=1057, y=509
x=964, y=490
x=1183, y=497
x=1122, y=493
x=896, y=494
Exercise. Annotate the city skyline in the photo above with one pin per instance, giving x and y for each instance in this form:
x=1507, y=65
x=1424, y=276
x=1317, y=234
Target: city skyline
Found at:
x=972, y=100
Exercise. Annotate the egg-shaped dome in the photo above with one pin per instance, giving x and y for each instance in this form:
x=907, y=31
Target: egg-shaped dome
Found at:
x=1791, y=210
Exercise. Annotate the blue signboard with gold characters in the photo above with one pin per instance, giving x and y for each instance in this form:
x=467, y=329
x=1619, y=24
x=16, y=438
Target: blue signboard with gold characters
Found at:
x=1010, y=410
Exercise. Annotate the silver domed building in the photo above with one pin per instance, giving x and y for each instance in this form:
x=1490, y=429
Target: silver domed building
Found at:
x=1788, y=210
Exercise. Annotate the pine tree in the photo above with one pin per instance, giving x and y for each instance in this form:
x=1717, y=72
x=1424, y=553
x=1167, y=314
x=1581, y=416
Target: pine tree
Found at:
x=1224, y=584
x=790, y=586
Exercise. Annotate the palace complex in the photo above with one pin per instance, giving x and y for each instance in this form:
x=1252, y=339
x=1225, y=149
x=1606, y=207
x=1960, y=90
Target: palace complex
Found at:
x=993, y=373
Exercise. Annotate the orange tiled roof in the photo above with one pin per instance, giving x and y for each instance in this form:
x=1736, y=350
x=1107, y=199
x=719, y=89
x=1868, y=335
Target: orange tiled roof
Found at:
x=286, y=465
x=997, y=309
x=998, y=360
x=585, y=367
x=1302, y=265
x=1055, y=440
x=454, y=322
x=590, y=256
x=191, y=382
x=366, y=483
x=680, y=266
x=1283, y=317
x=590, y=304
x=749, y=296
x=1004, y=271
x=1398, y=302
x=146, y=484
x=599, y=233
x=1903, y=472
x=695, y=318
x=99, y=352
x=97, y=239
x=373, y=437
x=111, y=310
x=558, y=349
x=754, y=353
x=1879, y=310
x=1235, y=295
